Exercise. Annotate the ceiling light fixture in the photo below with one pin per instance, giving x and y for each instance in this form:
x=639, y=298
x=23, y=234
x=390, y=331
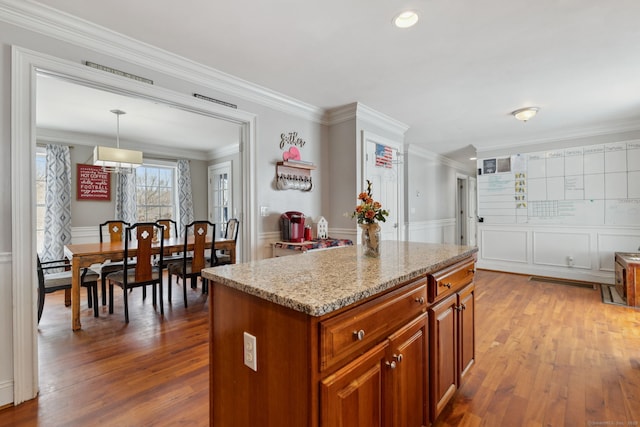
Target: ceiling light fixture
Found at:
x=525, y=114
x=406, y=19
x=117, y=160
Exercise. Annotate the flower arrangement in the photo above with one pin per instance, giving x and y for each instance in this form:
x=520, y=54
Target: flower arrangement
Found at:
x=369, y=211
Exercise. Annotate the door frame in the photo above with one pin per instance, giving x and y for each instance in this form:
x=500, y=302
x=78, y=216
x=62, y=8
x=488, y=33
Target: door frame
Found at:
x=25, y=64
x=462, y=201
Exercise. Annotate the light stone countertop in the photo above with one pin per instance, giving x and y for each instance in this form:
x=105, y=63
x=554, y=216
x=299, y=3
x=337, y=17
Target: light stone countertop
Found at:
x=319, y=282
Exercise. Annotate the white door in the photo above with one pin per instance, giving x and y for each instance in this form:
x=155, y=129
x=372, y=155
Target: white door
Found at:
x=386, y=180
x=220, y=196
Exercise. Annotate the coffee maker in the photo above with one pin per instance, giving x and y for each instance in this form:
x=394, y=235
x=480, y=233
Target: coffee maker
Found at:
x=292, y=226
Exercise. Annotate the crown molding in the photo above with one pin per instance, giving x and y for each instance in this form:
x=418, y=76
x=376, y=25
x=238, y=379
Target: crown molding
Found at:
x=53, y=23
x=357, y=110
x=416, y=150
x=578, y=134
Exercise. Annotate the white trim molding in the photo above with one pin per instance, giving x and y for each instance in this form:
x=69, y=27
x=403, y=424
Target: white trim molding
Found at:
x=434, y=231
x=62, y=26
x=357, y=110
x=415, y=150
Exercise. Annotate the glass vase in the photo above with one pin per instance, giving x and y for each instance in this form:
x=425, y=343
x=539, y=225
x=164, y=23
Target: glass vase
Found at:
x=371, y=239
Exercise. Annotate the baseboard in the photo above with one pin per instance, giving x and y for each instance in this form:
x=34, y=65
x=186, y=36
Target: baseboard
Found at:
x=6, y=394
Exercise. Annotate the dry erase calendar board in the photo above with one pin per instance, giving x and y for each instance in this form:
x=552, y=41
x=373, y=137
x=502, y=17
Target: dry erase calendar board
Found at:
x=591, y=185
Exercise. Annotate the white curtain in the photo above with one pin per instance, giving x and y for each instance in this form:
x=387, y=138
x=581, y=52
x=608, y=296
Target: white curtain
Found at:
x=185, y=198
x=126, y=203
x=57, y=217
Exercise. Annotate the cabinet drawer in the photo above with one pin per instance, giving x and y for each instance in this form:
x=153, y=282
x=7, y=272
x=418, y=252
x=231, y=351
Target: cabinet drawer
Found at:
x=357, y=329
x=446, y=281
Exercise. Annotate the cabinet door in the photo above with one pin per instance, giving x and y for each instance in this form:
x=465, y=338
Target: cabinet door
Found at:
x=466, y=335
x=443, y=350
x=353, y=396
x=407, y=377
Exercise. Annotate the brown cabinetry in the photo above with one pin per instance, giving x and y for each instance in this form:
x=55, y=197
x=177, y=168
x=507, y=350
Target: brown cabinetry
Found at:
x=386, y=386
x=452, y=345
x=391, y=360
x=628, y=277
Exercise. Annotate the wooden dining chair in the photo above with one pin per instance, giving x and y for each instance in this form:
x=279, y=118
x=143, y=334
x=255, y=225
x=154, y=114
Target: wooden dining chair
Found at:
x=61, y=280
x=191, y=265
x=143, y=272
x=230, y=233
x=115, y=231
x=170, y=230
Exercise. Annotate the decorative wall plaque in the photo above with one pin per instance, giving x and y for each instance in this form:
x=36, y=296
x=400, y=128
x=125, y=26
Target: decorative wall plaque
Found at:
x=93, y=183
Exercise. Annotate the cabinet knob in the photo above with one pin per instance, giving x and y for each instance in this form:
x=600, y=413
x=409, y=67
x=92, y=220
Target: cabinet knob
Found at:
x=420, y=300
x=398, y=357
x=359, y=335
x=447, y=285
x=391, y=365
x=459, y=308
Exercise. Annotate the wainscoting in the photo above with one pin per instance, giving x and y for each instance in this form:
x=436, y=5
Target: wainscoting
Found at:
x=437, y=231
x=576, y=253
x=6, y=332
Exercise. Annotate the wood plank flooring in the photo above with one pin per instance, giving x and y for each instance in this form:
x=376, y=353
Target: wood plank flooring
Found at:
x=547, y=355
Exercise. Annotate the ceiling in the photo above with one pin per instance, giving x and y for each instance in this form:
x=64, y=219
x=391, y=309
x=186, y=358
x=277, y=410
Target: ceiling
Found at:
x=65, y=107
x=453, y=78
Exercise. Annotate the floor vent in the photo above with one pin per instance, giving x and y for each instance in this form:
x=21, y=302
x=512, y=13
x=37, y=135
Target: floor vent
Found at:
x=610, y=295
x=587, y=285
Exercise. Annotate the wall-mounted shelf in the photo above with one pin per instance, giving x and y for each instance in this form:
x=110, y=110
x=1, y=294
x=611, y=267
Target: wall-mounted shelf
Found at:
x=294, y=176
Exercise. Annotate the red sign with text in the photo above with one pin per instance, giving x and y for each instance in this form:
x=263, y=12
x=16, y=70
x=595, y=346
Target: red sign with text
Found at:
x=93, y=183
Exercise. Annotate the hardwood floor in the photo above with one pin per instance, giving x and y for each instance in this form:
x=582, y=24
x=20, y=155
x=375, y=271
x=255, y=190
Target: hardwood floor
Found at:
x=549, y=355
x=546, y=355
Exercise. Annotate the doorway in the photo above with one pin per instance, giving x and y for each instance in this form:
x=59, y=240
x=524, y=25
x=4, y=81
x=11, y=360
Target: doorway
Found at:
x=466, y=210
x=25, y=67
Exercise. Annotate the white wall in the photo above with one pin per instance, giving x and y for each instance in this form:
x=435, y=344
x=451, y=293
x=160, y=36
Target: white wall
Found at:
x=430, y=195
x=75, y=45
x=564, y=251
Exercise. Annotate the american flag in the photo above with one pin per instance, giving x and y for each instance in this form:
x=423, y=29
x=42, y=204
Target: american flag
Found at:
x=384, y=156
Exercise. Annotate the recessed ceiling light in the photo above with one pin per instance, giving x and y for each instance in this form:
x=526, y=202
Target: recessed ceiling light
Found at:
x=406, y=19
x=525, y=114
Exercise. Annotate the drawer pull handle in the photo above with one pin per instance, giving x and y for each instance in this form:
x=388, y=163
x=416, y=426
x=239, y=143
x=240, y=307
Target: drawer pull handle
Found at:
x=391, y=365
x=398, y=357
x=359, y=335
x=446, y=285
x=420, y=300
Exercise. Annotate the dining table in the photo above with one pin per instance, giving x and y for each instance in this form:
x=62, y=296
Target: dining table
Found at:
x=84, y=255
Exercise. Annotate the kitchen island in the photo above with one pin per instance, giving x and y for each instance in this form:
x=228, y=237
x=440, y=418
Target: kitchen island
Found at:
x=336, y=338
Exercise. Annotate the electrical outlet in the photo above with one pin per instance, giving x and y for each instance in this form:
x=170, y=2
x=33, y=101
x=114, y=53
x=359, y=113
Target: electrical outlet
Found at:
x=250, y=353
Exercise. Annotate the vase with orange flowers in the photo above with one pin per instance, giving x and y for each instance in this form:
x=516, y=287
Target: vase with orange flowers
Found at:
x=368, y=213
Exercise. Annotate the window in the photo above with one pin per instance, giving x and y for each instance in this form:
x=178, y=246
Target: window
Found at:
x=41, y=189
x=155, y=192
x=220, y=197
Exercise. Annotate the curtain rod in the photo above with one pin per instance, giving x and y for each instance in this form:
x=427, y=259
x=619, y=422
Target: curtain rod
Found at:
x=40, y=144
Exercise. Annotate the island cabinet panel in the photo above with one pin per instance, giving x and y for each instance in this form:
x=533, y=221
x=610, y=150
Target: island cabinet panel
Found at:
x=444, y=350
x=408, y=381
x=346, y=334
x=446, y=281
x=278, y=394
x=452, y=345
x=385, y=343
x=466, y=328
x=354, y=395
x=386, y=386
